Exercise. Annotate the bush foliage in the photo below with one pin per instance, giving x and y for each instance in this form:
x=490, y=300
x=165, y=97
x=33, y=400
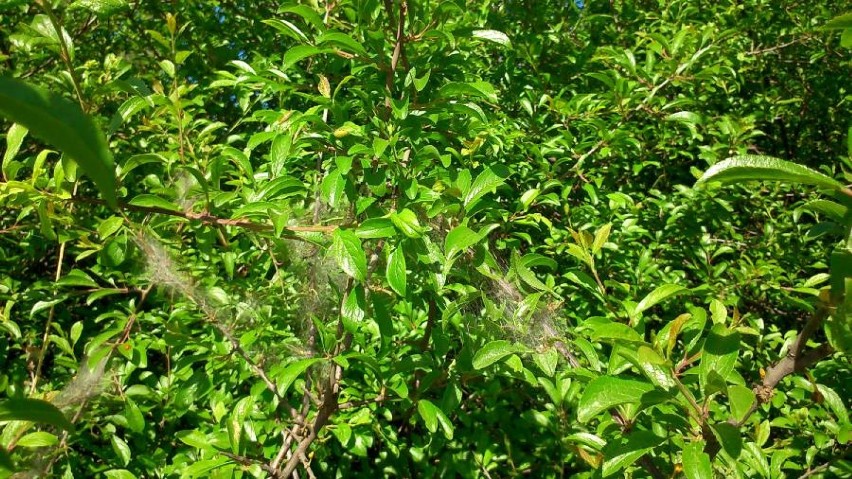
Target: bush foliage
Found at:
x=405, y=238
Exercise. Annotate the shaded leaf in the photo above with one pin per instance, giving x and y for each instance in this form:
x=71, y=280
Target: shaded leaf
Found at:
x=62, y=124
x=34, y=410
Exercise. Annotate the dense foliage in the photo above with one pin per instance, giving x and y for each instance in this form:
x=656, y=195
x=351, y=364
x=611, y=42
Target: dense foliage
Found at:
x=363, y=238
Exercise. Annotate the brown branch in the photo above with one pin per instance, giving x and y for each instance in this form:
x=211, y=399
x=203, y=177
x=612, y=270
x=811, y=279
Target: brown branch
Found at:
x=795, y=361
x=210, y=219
x=398, y=48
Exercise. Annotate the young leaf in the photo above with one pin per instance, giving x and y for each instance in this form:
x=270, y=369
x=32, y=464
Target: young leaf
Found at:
x=760, y=168
x=35, y=410
x=346, y=249
x=396, y=271
x=62, y=124
x=601, y=236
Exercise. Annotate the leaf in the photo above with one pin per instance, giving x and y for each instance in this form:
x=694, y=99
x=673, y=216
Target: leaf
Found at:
x=288, y=29
x=396, y=273
x=485, y=182
x=333, y=187
x=62, y=124
x=493, y=352
x=406, y=221
x=657, y=296
x=719, y=355
x=621, y=453
x=38, y=439
x=14, y=137
x=495, y=36
x=696, y=463
x=202, y=468
x=459, y=239
x=610, y=330
x=432, y=416
x=606, y=392
x=762, y=168
x=101, y=8
x=349, y=254
x=839, y=22
x=33, y=410
x=343, y=40
x=121, y=449
x=375, y=228
x=153, y=201
x=741, y=399
x=476, y=89
x=119, y=474
x=601, y=236
x=299, y=53
x=292, y=371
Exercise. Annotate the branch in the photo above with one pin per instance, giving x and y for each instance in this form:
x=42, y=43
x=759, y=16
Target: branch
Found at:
x=795, y=361
x=210, y=219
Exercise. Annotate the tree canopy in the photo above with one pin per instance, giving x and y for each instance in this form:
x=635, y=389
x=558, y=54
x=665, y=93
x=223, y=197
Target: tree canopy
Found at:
x=411, y=238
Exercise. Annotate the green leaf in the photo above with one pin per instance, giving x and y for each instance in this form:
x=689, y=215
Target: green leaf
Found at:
x=493, y=36
x=119, y=474
x=396, y=273
x=406, y=221
x=601, y=235
x=839, y=22
x=493, y=352
x=204, y=467
x=293, y=370
x=101, y=8
x=299, y=53
x=287, y=28
x=719, y=355
x=484, y=183
x=121, y=449
x=741, y=399
x=761, y=168
x=62, y=124
x=657, y=296
x=696, y=463
x=333, y=188
x=459, y=239
x=606, y=392
x=623, y=452
x=38, y=439
x=376, y=228
x=347, y=251
x=477, y=89
x=610, y=330
x=342, y=40
x=152, y=201
x=14, y=137
x=34, y=410
x=432, y=416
